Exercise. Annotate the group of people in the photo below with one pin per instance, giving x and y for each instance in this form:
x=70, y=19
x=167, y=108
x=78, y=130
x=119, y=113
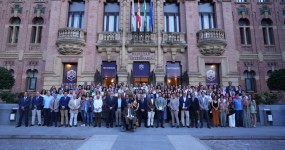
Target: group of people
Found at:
x=134, y=106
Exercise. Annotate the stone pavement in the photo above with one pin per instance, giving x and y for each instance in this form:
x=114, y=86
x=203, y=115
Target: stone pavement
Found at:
x=143, y=138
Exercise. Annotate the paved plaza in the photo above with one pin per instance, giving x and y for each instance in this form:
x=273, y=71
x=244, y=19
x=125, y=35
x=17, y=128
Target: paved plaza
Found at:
x=85, y=138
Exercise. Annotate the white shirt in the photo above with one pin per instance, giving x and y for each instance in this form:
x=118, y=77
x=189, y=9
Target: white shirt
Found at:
x=98, y=105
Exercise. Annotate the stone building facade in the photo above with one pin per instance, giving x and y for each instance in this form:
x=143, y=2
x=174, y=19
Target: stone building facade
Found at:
x=190, y=41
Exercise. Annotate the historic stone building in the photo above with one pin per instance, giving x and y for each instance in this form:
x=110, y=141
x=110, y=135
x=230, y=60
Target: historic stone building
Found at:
x=49, y=42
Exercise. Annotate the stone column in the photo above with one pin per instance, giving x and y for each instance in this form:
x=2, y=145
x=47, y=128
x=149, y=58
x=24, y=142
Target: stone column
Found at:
x=122, y=72
x=159, y=72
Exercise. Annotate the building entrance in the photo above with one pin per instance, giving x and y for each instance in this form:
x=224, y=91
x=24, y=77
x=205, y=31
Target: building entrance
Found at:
x=141, y=72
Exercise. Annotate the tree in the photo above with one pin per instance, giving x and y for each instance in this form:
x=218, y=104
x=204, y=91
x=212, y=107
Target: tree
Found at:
x=7, y=80
x=276, y=80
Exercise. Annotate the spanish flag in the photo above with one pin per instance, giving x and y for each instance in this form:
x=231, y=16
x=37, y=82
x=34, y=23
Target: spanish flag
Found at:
x=139, y=16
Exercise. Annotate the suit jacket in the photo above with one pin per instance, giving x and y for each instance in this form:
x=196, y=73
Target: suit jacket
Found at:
x=194, y=104
x=125, y=112
x=186, y=103
x=25, y=103
x=38, y=102
x=150, y=105
x=74, y=108
x=64, y=102
x=232, y=89
x=110, y=102
x=122, y=104
x=204, y=105
x=143, y=105
x=54, y=105
x=160, y=102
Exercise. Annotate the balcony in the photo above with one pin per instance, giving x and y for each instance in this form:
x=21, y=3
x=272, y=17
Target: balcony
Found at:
x=142, y=39
x=173, y=39
x=109, y=39
x=70, y=41
x=211, y=42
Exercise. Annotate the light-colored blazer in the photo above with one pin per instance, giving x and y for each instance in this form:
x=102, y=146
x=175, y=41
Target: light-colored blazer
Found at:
x=56, y=105
x=98, y=105
x=204, y=105
x=74, y=108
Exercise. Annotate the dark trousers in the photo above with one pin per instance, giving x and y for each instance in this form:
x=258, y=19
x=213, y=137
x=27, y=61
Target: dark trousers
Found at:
x=239, y=121
x=110, y=117
x=47, y=116
x=54, y=116
x=159, y=118
x=98, y=118
x=202, y=114
x=194, y=118
x=24, y=113
x=142, y=116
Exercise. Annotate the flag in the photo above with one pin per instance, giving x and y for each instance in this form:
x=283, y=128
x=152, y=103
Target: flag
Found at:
x=150, y=15
x=133, y=16
x=139, y=16
x=144, y=15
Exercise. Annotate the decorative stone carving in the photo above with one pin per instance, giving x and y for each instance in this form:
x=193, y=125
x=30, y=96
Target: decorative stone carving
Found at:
x=141, y=38
x=70, y=41
x=211, y=42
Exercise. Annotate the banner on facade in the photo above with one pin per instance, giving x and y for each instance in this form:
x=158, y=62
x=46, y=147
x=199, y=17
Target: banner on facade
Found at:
x=70, y=73
x=212, y=74
x=141, y=69
x=173, y=70
x=109, y=69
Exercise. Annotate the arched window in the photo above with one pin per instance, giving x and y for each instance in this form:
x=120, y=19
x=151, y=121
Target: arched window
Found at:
x=244, y=29
x=14, y=28
x=249, y=77
x=32, y=80
x=76, y=14
x=37, y=30
x=267, y=29
x=206, y=15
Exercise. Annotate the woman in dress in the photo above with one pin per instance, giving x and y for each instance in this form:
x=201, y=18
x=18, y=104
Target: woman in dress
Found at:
x=252, y=110
x=215, y=111
x=223, y=111
x=246, y=113
x=231, y=112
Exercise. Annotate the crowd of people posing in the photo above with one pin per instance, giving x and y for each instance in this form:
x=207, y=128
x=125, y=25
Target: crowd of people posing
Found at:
x=181, y=106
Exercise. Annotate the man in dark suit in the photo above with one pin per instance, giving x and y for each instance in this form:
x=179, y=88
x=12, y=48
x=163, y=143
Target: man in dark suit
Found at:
x=63, y=106
x=110, y=104
x=230, y=88
x=24, y=107
x=184, y=104
x=194, y=109
x=142, y=110
x=37, y=105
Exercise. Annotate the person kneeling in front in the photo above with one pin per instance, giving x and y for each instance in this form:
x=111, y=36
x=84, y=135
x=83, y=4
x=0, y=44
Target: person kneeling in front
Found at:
x=129, y=117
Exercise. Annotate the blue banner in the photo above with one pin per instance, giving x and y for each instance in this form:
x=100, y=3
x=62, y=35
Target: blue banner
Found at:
x=141, y=69
x=109, y=69
x=70, y=73
x=173, y=70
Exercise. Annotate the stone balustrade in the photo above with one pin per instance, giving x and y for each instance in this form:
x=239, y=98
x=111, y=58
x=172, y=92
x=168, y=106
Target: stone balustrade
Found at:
x=142, y=37
x=211, y=41
x=173, y=38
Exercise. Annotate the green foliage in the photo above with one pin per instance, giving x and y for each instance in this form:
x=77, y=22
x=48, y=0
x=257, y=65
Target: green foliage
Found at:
x=9, y=97
x=266, y=98
x=276, y=80
x=7, y=80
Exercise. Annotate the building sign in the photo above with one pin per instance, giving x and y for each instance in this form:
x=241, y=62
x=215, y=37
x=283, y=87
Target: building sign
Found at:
x=173, y=70
x=70, y=73
x=141, y=56
x=109, y=69
x=212, y=74
x=141, y=69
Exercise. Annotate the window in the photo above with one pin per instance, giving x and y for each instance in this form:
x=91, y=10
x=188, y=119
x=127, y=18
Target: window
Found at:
x=37, y=30
x=171, y=17
x=76, y=14
x=14, y=28
x=249, y=77
x=111, y=17
x=267, y=29
x=242, y=1
x=244, y=29
x=144, y=27
x=263, y=1
x=206, y=16
x=32, y=80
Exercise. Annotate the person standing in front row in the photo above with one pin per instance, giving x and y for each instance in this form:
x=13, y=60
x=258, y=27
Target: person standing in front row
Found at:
x=24, y=107
x=160, y=104
x=54, y=105
x=194, y=110
x=174, y=108
x=47, y=100
x=89, y=110
x=98, y=103
x=150, y=112
x=37, y=103
x=238, y=107
x=184, y=104
x=63, y=104
x=204, y=107
x=74, y=105
x=110, y=104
